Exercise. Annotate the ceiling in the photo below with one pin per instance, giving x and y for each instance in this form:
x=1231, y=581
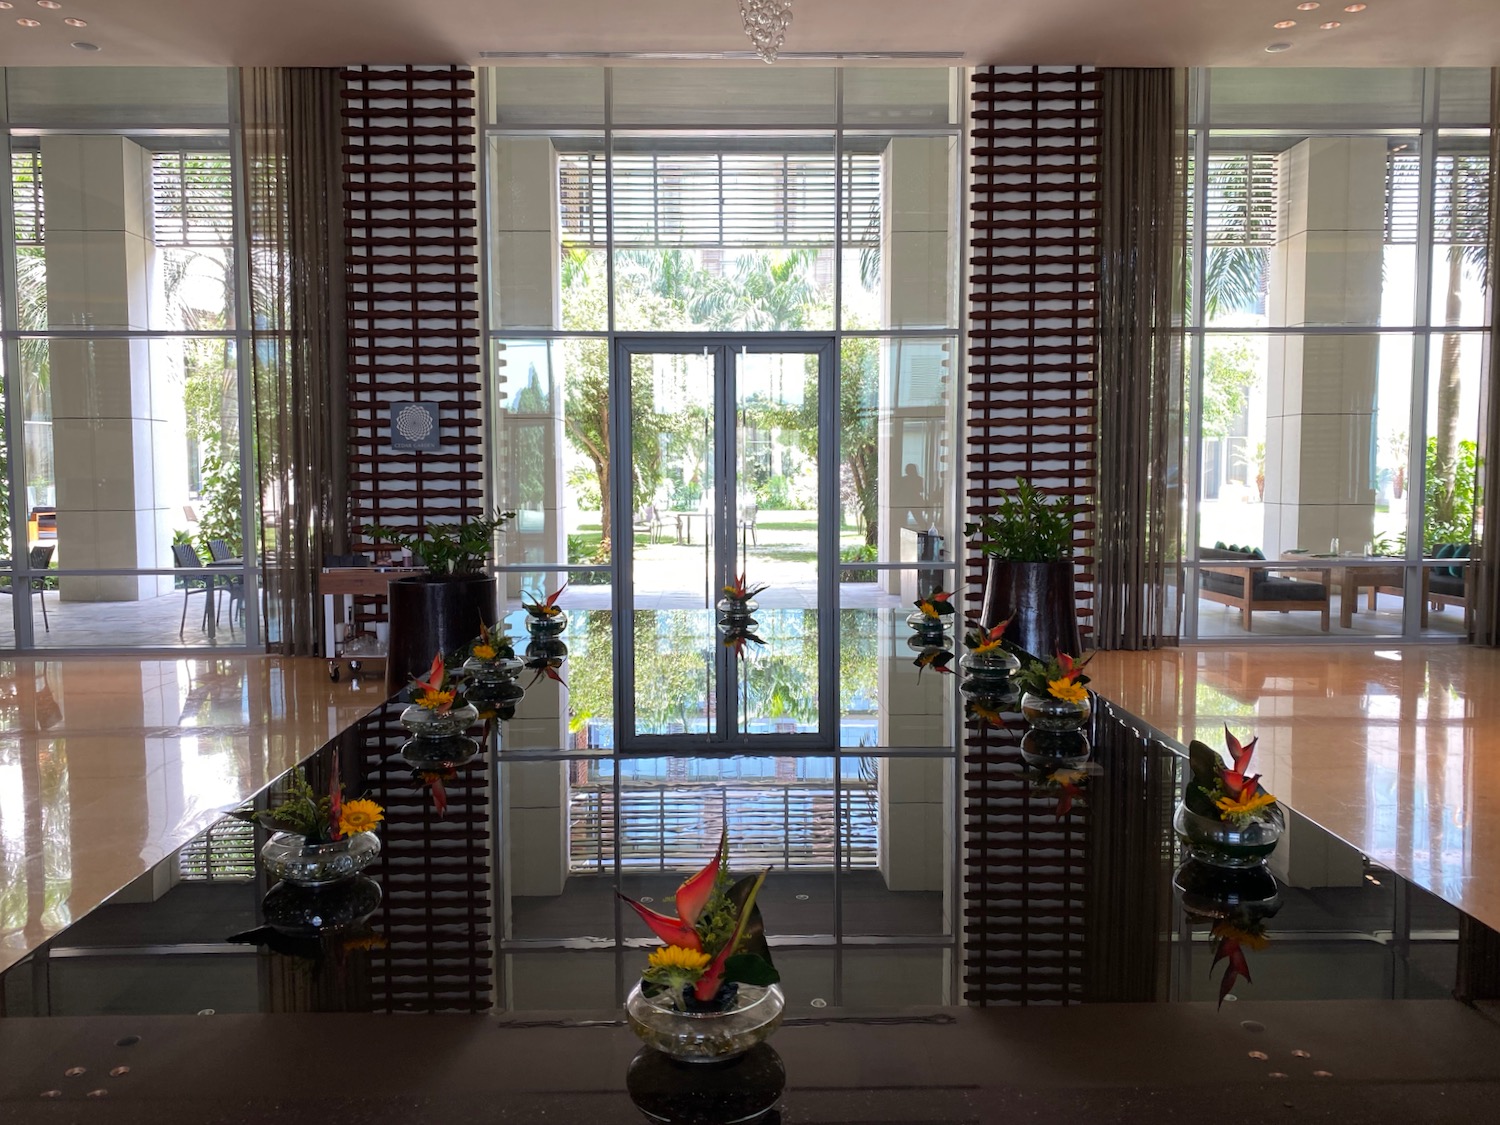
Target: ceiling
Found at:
x=1110, y=32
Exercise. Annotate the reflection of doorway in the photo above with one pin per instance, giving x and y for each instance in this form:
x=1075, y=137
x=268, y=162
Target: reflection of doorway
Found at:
x=720, y=435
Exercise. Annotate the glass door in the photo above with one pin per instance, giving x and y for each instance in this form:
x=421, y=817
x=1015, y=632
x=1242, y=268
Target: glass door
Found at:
x=725, y=479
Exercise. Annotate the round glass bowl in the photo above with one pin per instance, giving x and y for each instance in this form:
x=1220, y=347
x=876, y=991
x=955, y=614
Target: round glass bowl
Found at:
x=496, y=671
x=423, y=722
x=541, y=625
x=706, y=1036
x=1047, y=712
x=290, y=857
x=1223, y=843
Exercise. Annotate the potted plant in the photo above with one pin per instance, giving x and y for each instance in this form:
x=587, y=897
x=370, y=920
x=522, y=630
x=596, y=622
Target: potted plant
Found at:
x=1053, y=696
x=434, y=612
x=1028, y=540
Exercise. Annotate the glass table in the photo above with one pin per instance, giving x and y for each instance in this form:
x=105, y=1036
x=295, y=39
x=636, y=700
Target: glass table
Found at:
x=951, y=925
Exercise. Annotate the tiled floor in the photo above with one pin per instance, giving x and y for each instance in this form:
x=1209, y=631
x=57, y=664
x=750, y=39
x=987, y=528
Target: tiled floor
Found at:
x=149, y=623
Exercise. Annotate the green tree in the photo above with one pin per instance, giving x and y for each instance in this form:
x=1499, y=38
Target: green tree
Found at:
x=1230, y=373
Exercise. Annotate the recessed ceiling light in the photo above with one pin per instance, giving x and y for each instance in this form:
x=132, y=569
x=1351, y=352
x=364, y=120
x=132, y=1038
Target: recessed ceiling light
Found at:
x=50, y=5
x=1277, y=48
x=86, y=46
x=71, y=22
x=1282, y=25
x=1355, y=7
x=6, y=4
x=1307, y=7
x=30, y=23
x=1329, y=26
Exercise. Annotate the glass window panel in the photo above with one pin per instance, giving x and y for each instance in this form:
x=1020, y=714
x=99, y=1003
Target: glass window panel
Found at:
x=546, y=95
x=900, y=242
x=160, y=260
x=724, y=95
x=1456, y=375
x=1367, y=97
x=1310, y=231
x=724, y=234
x=124, y=97
x=1449, y=607
x=894, y=689
x=547, y=233
x=1464, y=96
x=905, y=95
x=897, y=401
x=897, y=824
x=1303, y=455
x=130, y=446
x=1461, y=228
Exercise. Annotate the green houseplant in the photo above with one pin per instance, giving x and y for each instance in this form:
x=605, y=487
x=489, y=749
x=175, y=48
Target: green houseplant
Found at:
x=436, y=611
x=1027, y=540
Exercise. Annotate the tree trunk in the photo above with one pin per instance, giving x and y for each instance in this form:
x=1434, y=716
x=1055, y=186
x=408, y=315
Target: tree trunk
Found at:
x=1445, y=462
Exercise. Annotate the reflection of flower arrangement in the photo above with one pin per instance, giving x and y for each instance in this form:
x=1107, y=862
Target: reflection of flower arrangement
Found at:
x=935, y=657
x=1232, y=936
x=1067, y=783
x=1061, y=677
x=1226, y=793
x=740, y=591
x=438, y=692
x=548, y=608
x=715, y=943
x=319, y=819
x=936, y=606
x=736, y=637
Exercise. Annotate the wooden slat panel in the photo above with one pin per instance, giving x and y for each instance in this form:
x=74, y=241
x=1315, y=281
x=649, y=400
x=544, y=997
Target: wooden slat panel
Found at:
x=411, y=239
x=1032, y=347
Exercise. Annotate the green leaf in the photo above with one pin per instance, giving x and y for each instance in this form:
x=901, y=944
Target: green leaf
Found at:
x=748, y=968
x=1205, y=763
x=753, y=935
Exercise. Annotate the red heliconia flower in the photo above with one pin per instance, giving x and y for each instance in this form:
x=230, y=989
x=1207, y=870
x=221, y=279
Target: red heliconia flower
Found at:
x=1071, y=669
x=434, y=680
x=1235, y=780
x=1229, y=948
x=691, y=898
x=708, y=984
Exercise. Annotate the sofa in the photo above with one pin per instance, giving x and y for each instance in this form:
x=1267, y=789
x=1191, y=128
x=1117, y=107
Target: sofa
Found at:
x=1448, y=585
x=1253, y=589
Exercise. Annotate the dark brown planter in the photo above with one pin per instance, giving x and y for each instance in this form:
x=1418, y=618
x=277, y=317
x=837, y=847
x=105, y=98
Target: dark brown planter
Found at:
x=429, y=615
x=1040, y=595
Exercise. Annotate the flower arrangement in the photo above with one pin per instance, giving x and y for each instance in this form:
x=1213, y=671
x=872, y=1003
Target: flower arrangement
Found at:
x=546, y=609
x=1066, y=782
x=1232, y=936
x=319, y=819
x=1226, y=793
x=715, y=943
x=936, y=657
x=438, y=692
x=742, y=591
x=492, y=643
x=1059, y=678
x=981, y=641
x=936, y=606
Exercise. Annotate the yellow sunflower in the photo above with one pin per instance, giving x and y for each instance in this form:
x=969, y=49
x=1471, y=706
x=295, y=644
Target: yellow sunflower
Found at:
x=484, y=652
x=1250, y=939
x=1239, y=806
x=360, y=816
x=1068, y=690
x=678, y=957
x=435, y=700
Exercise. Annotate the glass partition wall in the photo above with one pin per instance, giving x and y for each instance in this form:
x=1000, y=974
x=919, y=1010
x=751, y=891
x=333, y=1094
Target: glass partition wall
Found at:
x=723, y=315
x=122, y=357
x=1339, y=313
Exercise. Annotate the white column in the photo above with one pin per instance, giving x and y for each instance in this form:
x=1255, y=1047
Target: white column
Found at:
x=118, y=419
x=1321, y=395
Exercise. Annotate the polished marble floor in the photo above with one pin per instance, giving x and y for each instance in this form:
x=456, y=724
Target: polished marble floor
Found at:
x=1394, y=750
x=108, y=765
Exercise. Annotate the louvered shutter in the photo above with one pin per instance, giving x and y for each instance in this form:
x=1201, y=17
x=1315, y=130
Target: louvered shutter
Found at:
x=192, y=199
x=26, y=196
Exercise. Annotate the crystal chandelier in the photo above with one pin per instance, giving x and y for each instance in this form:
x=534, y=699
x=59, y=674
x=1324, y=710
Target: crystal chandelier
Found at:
x=766, y=22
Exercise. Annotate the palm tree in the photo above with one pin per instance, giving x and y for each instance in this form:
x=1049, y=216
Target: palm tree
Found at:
x=1241, y=218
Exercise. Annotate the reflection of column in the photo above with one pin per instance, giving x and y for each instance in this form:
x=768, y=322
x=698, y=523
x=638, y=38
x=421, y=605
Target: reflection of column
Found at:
x=917, y=252
x=1321, y=400
x=526, y=283
x=912, y=823
x=118, y=423
x=535, y=794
